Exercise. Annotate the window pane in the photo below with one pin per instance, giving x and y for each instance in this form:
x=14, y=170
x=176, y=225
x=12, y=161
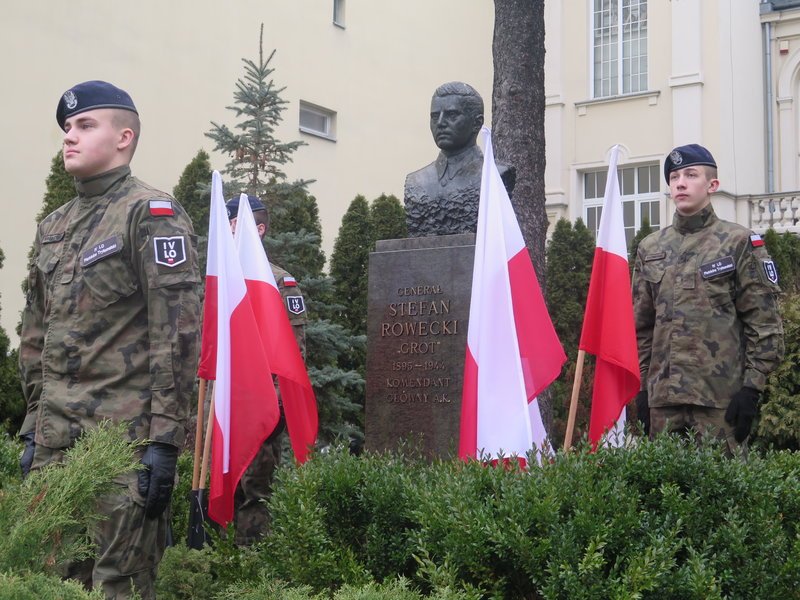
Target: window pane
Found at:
x=588, y=185
x=314, y=121
x=643, y=180
x=628, y=213
x=601, y=183
x=628, y=188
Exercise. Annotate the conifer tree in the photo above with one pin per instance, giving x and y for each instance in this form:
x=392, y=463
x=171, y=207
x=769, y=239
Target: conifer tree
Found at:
x=256, y=159
x=569, y=265
x=349, y=263
x=640, y=235
x=388, y=218
x=193, y=192
x=12, y=403
x=60, y=187
x=256, y=155
x=784, y=249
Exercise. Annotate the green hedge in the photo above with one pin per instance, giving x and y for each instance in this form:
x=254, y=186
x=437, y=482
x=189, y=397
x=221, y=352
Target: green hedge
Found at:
x=662, y=520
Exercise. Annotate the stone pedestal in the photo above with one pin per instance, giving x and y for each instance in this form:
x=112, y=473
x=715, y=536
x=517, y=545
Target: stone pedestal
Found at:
x=417, y=317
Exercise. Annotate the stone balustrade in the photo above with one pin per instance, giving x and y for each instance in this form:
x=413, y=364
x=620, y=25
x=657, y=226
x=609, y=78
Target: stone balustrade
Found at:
x=779, y=210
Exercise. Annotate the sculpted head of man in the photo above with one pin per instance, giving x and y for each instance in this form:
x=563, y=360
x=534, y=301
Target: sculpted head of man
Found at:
x=456, y=116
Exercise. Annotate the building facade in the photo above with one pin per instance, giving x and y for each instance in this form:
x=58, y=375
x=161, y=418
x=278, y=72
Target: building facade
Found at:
x=358, y=77
x=653, y=75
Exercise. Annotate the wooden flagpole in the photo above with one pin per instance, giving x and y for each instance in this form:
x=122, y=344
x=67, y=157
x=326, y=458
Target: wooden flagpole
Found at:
x=573, y=402
x=198, y=433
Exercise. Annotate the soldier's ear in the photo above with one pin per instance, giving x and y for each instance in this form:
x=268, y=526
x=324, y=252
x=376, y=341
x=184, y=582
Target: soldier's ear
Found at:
x=713, y=185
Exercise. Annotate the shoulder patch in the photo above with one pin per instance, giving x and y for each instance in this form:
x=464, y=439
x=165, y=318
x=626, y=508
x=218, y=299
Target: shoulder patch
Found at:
x=170, y=251
x=756, y=240
x=161, y=208
x=770, y=270
x=289, y=281
x=295, y=305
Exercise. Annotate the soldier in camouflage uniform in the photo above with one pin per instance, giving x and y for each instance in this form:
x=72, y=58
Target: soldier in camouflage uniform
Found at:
x=110, y=331
x=707, y=321
x=251, y=517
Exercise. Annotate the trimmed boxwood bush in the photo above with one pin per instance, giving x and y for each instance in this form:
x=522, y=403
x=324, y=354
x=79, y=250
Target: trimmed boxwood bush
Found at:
x=664, y=519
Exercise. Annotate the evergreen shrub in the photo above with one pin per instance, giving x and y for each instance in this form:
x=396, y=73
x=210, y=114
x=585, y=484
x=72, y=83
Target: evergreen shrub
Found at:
x=43, y=587
x=664, y=519
x=10, y=450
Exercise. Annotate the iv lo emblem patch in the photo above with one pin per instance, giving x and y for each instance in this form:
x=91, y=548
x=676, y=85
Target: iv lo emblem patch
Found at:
x=295, y=304
x=770, y=271
x=170, y=251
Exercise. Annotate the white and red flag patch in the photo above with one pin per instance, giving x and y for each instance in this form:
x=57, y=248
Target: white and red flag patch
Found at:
x=756, y=240
x=161, y=208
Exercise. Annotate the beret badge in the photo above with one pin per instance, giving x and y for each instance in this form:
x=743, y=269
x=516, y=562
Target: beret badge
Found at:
x=70, y=99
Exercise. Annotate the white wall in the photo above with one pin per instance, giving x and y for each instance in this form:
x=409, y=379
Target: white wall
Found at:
x=180, y=59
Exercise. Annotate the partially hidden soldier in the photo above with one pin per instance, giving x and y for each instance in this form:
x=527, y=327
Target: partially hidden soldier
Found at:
x=251, y=516
x=110, y=332
x=705, y=305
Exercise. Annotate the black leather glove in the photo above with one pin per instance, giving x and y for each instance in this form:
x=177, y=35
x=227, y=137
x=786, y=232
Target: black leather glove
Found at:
x=157, y=479
x=741, y=412
x=643, y=411
x=26, y=460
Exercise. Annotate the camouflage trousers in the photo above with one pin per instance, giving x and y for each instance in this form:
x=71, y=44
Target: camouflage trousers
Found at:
x=698, y=421
x=129, y=546
x=251, y=516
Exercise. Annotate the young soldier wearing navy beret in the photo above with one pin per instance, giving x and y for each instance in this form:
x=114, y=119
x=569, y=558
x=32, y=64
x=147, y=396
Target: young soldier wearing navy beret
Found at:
x=251, y=517
x=110, y=331
x=705, y=305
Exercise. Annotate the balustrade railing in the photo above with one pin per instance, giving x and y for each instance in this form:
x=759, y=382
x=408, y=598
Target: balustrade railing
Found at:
x=780, y=210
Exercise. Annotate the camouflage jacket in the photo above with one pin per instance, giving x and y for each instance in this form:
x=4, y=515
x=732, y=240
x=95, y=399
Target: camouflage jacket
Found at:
x=295, y=304
x=707, y=321
x=112, y=317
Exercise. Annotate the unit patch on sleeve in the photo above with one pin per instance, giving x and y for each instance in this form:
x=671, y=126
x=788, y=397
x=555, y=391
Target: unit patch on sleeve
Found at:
x=770, y=271
x=161, y=208
x=170, y=251
x=295, y=305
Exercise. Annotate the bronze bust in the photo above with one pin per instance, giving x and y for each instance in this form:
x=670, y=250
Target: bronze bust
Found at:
x=442, y=198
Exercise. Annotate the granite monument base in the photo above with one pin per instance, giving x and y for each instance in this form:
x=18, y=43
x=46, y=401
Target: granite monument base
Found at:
x=417, y=315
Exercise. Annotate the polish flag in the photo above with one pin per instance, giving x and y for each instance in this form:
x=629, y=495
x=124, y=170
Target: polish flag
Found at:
x=513, y=352
x=297, y=395
x=245, y=403
x=608, y=329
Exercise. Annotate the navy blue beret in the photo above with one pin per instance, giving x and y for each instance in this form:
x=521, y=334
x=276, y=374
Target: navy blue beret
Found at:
x=90, y=95
x=687, y=156
x=233, y=205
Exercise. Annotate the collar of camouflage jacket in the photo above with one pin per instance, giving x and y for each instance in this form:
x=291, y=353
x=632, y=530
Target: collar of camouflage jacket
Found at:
x=100, y=184
x=695, y=222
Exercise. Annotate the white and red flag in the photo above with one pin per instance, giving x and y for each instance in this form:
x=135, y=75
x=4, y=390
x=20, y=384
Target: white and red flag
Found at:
x=286, y=362
x=513, y=352
x=608, y=328
x=245, y=402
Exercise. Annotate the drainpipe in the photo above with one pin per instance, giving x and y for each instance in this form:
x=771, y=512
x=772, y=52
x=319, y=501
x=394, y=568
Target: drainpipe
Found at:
x=769, y=102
